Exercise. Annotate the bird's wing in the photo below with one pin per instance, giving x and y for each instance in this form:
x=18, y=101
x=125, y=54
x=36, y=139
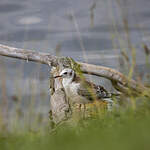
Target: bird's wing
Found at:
x=86, y=92
x=92, y=91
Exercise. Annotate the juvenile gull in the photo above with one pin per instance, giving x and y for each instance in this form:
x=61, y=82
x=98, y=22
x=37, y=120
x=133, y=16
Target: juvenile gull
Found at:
x=81, y=91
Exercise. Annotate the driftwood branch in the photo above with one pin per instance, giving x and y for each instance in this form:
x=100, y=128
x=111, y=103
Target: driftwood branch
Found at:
x=121, y=82
x=60, y=109
x=28, y=55
x=51, y=60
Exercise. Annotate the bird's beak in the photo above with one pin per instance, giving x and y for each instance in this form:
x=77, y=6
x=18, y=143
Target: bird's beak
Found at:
x=57, y=76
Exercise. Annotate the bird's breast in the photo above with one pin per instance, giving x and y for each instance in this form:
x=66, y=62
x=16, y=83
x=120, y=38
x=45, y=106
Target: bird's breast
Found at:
x=71, y=89
x=72, y=93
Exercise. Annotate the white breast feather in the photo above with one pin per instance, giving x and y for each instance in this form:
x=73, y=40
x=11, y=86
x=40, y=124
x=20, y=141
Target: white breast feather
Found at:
x=72, y=93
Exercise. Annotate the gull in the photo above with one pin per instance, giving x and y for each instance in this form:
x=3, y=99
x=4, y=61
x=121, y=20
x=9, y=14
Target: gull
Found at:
x=81, y=91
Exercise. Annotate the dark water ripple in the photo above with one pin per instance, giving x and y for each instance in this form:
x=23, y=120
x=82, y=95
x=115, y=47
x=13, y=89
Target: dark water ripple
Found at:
x=11, y=7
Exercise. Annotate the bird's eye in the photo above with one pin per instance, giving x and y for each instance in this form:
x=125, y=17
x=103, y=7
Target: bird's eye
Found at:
x=70, y=73
x=65, y=72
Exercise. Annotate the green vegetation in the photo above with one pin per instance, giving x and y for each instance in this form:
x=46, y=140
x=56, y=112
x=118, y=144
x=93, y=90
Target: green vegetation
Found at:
x=120, y=129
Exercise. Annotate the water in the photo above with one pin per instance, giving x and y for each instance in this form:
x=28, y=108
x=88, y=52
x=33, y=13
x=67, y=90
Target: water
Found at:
x=42, y=25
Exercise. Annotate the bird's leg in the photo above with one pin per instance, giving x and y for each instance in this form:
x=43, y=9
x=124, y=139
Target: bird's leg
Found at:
x=80, y=105
x=84, y=110
x=109, y=104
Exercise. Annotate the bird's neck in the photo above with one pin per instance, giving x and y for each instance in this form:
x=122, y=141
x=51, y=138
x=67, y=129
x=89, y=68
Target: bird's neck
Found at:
x=66, y=81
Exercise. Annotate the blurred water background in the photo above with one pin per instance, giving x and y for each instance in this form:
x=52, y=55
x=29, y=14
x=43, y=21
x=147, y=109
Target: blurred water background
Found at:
x=94, y=31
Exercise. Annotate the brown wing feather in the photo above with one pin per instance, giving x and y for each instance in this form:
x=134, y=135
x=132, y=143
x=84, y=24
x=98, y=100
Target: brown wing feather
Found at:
x=90, y=90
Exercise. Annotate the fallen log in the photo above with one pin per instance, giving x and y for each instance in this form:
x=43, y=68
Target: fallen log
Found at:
x=51, y=60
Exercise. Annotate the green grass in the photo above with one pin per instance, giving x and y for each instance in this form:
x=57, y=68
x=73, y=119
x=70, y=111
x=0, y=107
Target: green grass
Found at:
x=124, y=129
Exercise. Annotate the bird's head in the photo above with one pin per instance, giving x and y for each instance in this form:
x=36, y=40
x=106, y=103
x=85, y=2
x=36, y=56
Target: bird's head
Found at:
x=67, y=74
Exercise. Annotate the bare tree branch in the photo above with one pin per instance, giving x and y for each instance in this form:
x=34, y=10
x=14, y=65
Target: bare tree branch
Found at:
x=51, y=60
x=117, y=78
x=29, y=55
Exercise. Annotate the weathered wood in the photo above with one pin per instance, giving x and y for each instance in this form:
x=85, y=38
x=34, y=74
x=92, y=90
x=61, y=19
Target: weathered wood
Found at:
x=60, y=109
x=59, y=104
x=121, y=82
x=28, y=55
